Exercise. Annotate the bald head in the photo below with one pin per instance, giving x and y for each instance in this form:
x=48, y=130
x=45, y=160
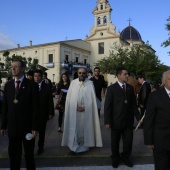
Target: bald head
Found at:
x=166, y=79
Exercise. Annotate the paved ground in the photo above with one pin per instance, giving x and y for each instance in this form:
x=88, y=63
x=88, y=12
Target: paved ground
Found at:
x=56, y=156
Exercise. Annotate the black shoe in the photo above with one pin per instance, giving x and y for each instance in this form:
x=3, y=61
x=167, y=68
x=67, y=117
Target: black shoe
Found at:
x=115, y=164
x=72, y=153
x=40, y=151
x=126, y=161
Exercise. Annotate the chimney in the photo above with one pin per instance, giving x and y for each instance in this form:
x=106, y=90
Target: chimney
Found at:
x=18, y=45
x=30, y=43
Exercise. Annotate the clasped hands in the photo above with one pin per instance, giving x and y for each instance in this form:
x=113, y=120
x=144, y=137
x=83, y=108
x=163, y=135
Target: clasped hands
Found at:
x=80, y=109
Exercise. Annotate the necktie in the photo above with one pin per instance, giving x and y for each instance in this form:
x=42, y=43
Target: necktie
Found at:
x=17, y=86
x=123, y=87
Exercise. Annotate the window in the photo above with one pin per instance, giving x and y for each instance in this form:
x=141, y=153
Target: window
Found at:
x=105, y=20
x=50, y=58
x=98, y=21
x=77, y=59
x=85, y=61
x=101, y=7
x=101, y=48
x=66, y=58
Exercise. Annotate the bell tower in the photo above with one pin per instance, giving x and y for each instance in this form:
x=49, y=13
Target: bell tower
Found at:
x=103, y=27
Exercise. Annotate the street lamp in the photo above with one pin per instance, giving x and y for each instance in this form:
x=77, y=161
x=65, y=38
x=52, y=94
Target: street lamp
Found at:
x=53, y=77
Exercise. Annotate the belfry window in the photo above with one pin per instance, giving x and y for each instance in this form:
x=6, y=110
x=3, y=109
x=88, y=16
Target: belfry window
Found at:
x=105, y=20
x=98, y=21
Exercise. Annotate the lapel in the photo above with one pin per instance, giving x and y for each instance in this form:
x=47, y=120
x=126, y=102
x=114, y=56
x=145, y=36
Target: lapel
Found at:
x=165, y=96
x=120, y=88
x=43, y=91
x=42, y=87
x=12, y=88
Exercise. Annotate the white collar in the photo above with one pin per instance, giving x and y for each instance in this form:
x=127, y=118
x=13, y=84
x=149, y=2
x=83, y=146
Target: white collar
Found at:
x=168, y=91
x=121, y=84
x=21, y=79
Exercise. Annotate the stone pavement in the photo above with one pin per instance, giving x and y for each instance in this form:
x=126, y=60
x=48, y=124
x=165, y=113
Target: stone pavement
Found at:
x=55, y=156
x=122, y=167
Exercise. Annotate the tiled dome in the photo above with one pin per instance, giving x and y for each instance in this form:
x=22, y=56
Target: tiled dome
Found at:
x=130, y=33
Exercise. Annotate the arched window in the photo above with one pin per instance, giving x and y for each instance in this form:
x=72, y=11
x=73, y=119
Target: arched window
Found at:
x=105, y=20
x=98, y=21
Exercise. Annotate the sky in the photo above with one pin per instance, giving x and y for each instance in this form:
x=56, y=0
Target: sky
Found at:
x=45, y=21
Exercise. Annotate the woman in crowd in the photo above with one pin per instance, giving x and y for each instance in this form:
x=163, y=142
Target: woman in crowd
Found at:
x=62, y=89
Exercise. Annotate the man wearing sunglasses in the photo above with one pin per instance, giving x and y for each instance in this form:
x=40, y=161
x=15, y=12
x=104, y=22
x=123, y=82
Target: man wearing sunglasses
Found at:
x=81, y=122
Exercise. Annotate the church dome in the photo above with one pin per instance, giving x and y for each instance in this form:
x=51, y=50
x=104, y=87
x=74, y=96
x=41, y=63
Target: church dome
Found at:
x=130, y=33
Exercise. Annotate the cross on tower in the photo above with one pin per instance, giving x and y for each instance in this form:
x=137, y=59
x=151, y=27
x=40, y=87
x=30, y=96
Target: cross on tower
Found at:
x=129, y=21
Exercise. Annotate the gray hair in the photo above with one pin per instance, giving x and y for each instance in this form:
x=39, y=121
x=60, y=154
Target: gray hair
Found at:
x=165, y=74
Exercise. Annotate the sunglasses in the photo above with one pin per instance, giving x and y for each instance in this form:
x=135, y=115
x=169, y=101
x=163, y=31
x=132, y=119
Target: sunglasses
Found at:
x=81, y=73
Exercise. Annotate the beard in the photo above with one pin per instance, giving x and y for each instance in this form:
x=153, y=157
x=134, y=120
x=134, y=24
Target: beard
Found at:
x=81, y=78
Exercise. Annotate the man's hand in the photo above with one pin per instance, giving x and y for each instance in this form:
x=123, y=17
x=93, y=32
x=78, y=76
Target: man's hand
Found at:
x=51, y=116
x=150, y=146
x=34, y=133
x=80, y=109
x=3, y=132
x=141, y=106
x=107, y=126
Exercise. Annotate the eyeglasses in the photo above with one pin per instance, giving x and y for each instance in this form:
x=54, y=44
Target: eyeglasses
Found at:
x=81, y=73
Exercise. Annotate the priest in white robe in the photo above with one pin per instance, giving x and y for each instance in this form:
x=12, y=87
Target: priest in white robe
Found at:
x=81, y=122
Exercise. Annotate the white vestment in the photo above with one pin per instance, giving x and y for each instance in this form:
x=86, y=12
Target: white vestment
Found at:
x=81, y=129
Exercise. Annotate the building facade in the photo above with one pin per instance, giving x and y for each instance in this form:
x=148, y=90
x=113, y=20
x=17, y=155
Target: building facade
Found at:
x=67, y=56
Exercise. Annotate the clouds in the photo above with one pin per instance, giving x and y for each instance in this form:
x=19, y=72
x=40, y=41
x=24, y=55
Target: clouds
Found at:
x=6, y=42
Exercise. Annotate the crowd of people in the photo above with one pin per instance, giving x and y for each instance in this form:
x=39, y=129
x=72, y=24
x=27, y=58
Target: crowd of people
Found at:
x=79, y=103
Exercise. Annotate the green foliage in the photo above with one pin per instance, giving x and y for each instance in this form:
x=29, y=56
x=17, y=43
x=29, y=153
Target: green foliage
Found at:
x=166, y=43
x=6, y=67
x=6, y=54
x=137, y=60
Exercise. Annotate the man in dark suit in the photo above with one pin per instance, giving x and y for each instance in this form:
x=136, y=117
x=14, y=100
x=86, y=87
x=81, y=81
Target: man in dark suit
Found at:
x=157, y=124
x=46, y=107
x=145, y=90
x=46, y=80
x=119, y=110
x=20, y=116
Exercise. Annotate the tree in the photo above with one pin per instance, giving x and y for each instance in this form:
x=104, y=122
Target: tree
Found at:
x=140, y=59
x=167, y=42
x=6, y=68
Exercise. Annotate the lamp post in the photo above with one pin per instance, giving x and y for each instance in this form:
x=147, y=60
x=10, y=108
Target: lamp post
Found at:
x=53, y=77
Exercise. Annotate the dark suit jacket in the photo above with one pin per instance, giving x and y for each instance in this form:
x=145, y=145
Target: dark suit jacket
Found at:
x=116, y=113
x=157, y=119
x=22, y=117
x=46, y=102
x=144, y=93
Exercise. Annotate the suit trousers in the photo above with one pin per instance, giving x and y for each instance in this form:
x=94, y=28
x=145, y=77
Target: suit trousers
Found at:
x=161, y=158
x=42, y=135
x=15, y=152
x=127, y=138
